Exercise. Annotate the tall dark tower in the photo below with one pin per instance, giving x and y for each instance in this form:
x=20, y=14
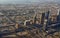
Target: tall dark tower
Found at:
x=58, y=18
x=59, y=13
x=42, y=18
x=47, y=15
x=46, y=20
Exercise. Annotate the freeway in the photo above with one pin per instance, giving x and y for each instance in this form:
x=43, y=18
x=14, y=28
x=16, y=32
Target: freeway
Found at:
x=51, y=29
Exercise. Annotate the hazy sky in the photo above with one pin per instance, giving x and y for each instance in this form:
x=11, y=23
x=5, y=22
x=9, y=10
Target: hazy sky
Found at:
x=24, y=1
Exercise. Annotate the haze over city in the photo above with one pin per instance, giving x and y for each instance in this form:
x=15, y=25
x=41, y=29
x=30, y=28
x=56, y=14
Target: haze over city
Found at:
x=26, y=1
